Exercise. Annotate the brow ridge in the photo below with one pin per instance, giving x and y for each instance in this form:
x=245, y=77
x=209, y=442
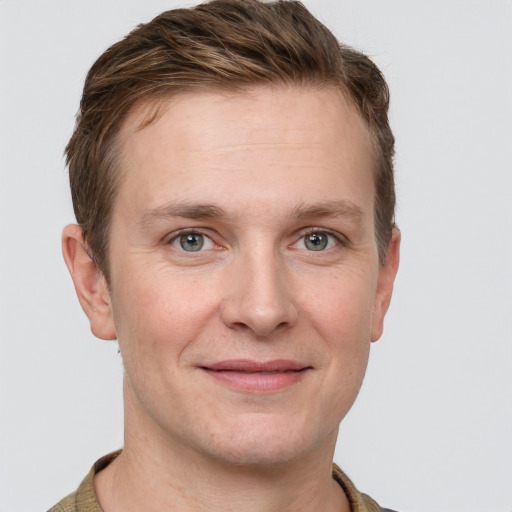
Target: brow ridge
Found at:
x=185, y=210
x=341, y=208
x=333, y=209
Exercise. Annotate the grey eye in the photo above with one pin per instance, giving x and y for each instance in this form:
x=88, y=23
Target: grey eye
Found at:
x=316, y=241
x=191, y=242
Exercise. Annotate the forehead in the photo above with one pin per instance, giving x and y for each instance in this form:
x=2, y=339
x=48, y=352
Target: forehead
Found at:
x=273, y=137
x=260, y=105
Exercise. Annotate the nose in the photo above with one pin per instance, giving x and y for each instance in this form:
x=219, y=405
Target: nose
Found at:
x=259, y=297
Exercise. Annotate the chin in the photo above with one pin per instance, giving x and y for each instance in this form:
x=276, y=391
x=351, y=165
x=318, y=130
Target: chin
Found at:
x=252, y=454
x=263, y=443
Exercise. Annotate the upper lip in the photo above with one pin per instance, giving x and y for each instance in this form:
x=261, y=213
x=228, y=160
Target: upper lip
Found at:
x=249, y=366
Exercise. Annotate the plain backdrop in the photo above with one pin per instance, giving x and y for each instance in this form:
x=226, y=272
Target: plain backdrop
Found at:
x=432, y=427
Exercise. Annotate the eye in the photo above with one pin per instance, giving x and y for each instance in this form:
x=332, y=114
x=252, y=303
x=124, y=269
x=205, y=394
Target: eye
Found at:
x=317, y=241
x=192, y=242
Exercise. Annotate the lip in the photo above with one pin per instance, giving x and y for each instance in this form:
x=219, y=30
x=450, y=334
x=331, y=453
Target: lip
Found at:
x=257, y=376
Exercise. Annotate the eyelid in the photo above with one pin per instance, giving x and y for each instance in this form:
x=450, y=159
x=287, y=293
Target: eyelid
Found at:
x=175, y=235
x=340, y=239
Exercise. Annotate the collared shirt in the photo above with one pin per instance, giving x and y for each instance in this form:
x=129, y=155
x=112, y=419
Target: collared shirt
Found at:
x=84, y=498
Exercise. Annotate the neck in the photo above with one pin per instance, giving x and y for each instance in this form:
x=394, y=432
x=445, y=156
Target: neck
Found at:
x=155, y=473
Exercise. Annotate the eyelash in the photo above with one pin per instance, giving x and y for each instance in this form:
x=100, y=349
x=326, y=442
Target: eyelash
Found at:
x=340, y=240
x=186, y=232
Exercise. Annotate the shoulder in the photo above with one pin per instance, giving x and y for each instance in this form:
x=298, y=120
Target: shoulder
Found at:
x=84, y=498
x=68, y=504
x=359, y=502
x=370, y=505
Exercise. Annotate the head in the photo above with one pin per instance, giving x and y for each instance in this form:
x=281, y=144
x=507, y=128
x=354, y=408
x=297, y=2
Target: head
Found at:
x=227, y=45
x=231, y=174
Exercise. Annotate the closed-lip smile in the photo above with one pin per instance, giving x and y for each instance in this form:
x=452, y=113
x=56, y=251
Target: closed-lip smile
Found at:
x=257, y=376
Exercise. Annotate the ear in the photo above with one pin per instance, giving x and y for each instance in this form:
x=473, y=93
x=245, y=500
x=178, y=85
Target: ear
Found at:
x=386, y=279
x=90, y=284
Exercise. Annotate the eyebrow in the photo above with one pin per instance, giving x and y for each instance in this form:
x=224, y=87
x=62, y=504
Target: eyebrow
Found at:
x=185, y=210
x=332, y=209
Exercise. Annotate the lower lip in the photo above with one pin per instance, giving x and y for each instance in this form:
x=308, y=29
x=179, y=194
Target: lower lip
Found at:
x=257, y=382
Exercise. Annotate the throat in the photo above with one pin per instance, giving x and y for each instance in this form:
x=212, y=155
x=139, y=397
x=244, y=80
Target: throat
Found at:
x=125, y=486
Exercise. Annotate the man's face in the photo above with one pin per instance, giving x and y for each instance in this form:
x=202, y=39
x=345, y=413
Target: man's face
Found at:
x=245, y=283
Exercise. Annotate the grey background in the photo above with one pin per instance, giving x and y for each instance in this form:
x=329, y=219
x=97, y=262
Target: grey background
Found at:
x=431, y=430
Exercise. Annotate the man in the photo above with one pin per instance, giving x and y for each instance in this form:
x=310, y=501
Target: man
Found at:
x=232, y=181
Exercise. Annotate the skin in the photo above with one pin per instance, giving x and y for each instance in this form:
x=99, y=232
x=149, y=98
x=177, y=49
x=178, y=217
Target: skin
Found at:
x=254, y=174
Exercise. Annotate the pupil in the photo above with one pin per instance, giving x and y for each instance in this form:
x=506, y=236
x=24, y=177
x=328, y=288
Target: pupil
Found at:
x=316, y=241
x=192, y=242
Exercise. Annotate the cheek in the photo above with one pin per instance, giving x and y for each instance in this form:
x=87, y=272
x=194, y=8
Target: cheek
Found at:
x=342, y=308
x=158, y=316
x=342, y=316
x=343, y=321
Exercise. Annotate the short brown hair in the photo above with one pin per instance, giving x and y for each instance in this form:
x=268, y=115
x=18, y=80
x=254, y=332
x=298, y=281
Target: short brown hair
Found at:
x=227, y=44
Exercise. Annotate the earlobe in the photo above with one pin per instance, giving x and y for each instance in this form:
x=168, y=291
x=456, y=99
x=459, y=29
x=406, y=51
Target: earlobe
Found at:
x=387, y=274
x=90, y=284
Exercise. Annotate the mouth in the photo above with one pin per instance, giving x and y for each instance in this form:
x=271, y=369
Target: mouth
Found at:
x=255, y=376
